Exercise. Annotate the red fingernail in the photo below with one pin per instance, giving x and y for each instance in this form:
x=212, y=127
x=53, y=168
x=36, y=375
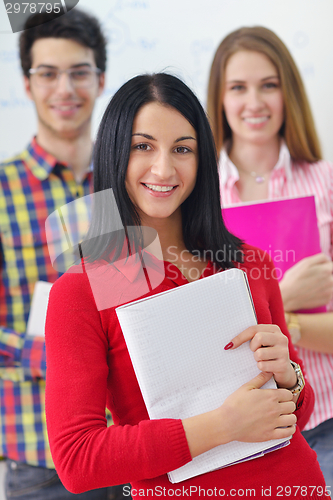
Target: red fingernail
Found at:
x=228, y=346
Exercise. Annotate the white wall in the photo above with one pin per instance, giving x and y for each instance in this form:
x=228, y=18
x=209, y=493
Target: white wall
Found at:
x=181, y=36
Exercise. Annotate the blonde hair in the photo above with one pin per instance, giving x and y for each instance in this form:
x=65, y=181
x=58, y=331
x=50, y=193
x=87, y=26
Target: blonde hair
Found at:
x=298, y=129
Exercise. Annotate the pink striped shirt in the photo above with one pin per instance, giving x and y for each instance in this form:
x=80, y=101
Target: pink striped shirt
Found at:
x=290, y=179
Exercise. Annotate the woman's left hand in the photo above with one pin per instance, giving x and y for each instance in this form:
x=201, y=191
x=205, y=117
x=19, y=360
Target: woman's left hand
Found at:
x=270, y=348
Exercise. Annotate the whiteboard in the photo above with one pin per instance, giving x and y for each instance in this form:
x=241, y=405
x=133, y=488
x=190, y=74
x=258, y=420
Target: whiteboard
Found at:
x=181, y=36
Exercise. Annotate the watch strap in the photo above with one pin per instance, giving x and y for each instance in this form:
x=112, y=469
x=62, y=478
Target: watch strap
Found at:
x=298, y=387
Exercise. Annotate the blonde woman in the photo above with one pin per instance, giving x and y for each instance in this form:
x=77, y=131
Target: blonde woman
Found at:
x=268, y=148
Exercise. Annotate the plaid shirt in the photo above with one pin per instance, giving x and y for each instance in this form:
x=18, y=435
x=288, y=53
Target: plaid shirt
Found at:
x=32, y=185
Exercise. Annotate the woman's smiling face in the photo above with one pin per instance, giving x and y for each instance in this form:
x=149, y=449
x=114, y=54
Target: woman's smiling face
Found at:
x=162, y=168
x=252, y=98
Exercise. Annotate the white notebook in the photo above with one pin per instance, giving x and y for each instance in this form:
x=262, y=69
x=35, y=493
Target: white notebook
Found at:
x=176, y=343
x=38, y=309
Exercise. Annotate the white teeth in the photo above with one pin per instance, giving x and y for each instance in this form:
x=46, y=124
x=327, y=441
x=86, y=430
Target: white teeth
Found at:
x=65, y=108
x=257, y=119
x=163, y=189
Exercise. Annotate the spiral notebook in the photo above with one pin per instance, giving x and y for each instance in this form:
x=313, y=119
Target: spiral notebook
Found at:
x=176, y=343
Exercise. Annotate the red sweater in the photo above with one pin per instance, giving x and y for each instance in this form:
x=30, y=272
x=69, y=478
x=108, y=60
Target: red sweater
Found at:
x=88, y=368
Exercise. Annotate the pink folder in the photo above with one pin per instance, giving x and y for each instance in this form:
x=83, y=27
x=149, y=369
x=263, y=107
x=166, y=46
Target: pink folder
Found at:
x=286, y=229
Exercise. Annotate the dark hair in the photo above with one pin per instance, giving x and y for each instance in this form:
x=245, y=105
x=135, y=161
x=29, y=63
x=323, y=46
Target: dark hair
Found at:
x=203, y=227
x=75, y=25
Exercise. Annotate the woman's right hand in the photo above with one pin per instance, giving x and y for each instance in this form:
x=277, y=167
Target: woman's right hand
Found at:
x=308, y=284
x=250, y=414
x=257, y=414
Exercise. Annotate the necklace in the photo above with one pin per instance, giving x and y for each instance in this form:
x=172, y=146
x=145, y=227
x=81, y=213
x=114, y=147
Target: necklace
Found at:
x=257, y=177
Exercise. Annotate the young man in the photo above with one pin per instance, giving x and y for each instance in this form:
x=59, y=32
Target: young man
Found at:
x=63, y=62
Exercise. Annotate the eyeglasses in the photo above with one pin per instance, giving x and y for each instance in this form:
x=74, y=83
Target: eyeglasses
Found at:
x=80, y=77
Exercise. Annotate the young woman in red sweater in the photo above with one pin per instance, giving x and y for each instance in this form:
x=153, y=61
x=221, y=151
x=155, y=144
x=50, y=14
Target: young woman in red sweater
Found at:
x=156, y=151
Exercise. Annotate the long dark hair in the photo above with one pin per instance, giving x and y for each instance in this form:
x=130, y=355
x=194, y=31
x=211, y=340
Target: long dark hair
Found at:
x=203, y=227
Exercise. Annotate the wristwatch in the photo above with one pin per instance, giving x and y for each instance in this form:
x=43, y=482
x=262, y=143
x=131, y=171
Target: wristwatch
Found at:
x=294, y=327
x=300, y=379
